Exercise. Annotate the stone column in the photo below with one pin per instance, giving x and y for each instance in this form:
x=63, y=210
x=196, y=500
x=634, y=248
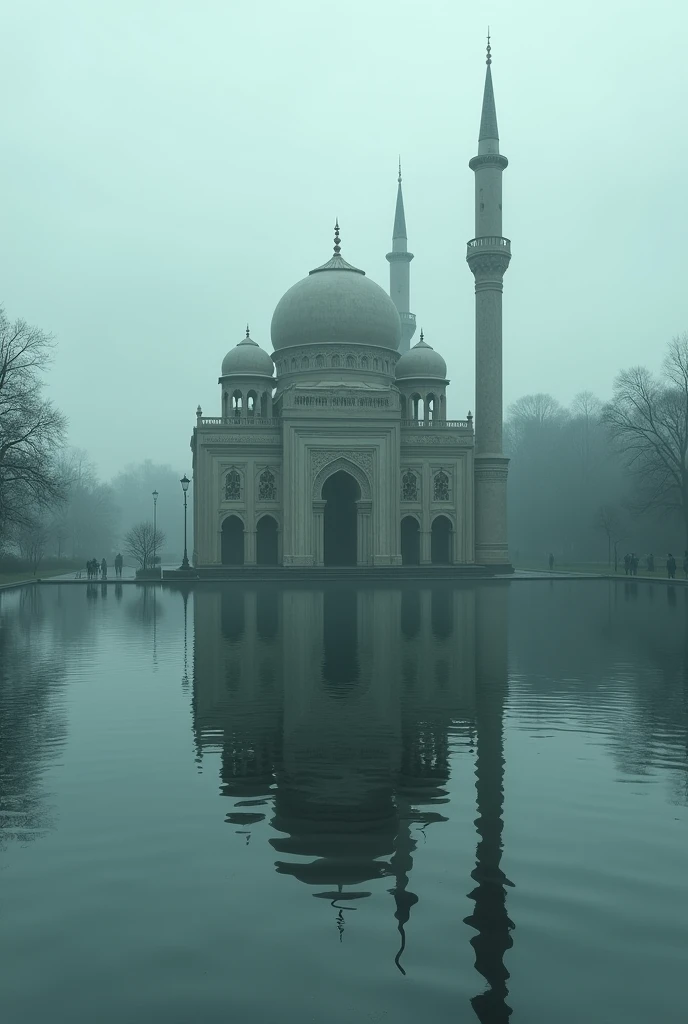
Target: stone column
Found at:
x=319, y=530
x=249, y=547
x=364, y=509
x=425, y=547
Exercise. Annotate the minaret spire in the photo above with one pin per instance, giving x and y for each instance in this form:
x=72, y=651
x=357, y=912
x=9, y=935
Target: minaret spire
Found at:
x=399, y=270
x=488, y=137
x=488, y=257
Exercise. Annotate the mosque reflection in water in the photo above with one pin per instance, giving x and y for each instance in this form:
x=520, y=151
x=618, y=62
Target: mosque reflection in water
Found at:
x=334, y=711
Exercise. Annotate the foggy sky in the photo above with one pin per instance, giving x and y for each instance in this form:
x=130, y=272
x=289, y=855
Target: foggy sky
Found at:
x=171, y=168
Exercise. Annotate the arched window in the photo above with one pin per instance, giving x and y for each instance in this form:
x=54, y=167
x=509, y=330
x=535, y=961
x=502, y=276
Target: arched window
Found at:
x=441, y=486
x=304, y=363
x=364, y=362
x=267, y=488
x=251, y=403
x=293, y=364
x=430, y=407
x=376, y=364
x=409, y=486
x=386, y=365
x=319, y=362
x=350, y=362
x=233, y=485
x=237, y=403
x=335, y=361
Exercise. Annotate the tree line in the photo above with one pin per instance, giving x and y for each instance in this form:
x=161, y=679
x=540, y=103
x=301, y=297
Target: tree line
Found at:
x=53, y=505
x=597, y=479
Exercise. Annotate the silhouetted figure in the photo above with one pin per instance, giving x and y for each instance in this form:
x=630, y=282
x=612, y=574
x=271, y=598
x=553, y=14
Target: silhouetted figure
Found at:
x=634, y=564
x=103, y=569
x=627, y=564
x=119, y=561
x=671, y=566
x=551, y=562
x=650, y=562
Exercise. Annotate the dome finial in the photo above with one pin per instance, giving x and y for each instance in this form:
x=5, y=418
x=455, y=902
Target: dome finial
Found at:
x=399, y=178
x=337, y=246
x=488, y=60
x=422, y=336
x=248, y=333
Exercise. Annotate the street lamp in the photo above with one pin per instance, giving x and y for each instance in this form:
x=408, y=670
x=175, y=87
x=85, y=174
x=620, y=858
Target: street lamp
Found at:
x=185, y=486
x=155, y=525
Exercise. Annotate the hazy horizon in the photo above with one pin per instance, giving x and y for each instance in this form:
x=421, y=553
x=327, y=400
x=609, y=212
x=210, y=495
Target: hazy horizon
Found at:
x=172, y=168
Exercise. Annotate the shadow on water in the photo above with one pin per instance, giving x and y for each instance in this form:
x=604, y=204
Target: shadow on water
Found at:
x=334, y=712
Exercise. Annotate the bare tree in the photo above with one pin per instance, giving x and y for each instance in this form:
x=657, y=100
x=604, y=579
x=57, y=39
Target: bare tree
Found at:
x=31, y=429
x=141, y=541
x=609, y=520
x=32, y=540
x=648, y=419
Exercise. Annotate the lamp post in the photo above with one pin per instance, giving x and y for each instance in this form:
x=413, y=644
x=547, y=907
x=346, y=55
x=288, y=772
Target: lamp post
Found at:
x=155, y=526
x=185, y=486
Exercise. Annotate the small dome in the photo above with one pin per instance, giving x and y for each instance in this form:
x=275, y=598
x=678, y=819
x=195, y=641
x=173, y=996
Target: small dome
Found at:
x=247, y=358
x=337, y=305
x=421, y=361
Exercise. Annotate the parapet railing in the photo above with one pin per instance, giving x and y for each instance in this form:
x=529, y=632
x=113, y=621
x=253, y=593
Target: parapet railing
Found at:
x=238, y=421
x=439, y=424
x=490, y=242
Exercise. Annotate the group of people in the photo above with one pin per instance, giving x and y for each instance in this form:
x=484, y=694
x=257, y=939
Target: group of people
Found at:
x=94, y=570
x=631, y=562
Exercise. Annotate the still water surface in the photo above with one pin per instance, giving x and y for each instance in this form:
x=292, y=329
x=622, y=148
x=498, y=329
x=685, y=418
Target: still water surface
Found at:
x=292, y=805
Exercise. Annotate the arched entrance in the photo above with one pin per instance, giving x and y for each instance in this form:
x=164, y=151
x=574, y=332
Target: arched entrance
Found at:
x=266, y=541
x=410, y=541
x=340, y=492
x=440, y=541
x=232, y=541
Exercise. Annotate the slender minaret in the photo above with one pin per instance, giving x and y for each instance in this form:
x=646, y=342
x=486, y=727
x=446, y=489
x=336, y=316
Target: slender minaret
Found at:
x=400, y=272
x=488, y=257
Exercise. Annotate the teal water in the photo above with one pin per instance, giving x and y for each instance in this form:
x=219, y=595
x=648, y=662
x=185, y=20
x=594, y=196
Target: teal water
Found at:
x=448, y=804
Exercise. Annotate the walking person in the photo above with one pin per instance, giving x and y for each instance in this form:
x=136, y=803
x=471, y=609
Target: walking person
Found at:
x=118, y=565
x=103, y=569
x=671, y=566
x=627, y=563
x=650, y=562
x=551, y=562
x=634, y=564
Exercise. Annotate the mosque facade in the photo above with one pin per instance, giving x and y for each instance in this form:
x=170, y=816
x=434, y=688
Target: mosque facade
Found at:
x=336, y=448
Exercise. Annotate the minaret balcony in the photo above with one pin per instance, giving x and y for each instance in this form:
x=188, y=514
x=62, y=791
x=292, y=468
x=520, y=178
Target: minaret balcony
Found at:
x=408, y=318
x=489, y=244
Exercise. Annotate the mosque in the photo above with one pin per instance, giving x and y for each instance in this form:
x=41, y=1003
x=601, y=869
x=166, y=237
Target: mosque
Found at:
x=335, y=449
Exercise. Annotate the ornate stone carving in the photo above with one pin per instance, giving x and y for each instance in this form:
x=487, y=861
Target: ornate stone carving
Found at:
x=488, y=263
x=242, y=438
x=427, y=437
x=409, y=486
x=440, y=486
x=267, y=488
x=322, y=457
x=233, y=485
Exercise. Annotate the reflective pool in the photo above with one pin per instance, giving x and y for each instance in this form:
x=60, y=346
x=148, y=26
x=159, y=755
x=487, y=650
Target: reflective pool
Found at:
x=334, y=805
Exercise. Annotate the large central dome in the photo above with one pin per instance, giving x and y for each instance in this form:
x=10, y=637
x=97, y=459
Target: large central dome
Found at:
x=335, y=305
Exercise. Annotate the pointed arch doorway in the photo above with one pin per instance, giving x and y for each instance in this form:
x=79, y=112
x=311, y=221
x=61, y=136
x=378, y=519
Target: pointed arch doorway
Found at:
x=340, y=493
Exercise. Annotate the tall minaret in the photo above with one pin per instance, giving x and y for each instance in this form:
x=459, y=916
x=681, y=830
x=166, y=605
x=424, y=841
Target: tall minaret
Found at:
x=400, y=272
x=488, y=257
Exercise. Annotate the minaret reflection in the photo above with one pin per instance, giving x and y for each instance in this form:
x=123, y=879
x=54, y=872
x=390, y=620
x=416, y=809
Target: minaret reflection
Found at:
x=338, y=709
x=489, y=917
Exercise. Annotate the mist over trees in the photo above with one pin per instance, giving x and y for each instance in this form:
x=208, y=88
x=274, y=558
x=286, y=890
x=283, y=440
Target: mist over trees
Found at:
x=32, y=431
x=591, y=477
x=133, y=490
